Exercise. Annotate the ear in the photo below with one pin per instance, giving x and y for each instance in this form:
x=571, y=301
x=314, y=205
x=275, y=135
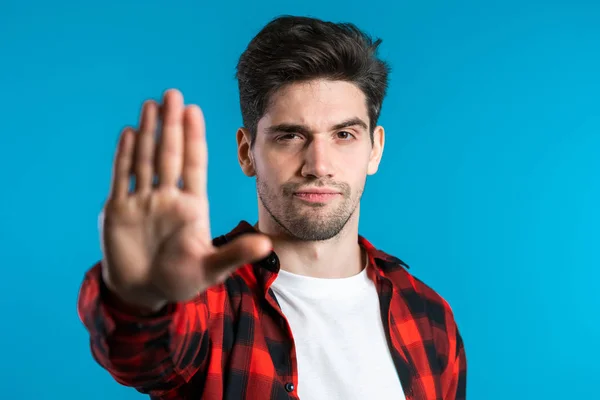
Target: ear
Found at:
x=376, y=150
x=245, y=157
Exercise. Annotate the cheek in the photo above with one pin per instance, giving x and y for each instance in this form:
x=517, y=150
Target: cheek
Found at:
x=271, y=167
x=281, y=160
x=357, y=162
x=358, y=171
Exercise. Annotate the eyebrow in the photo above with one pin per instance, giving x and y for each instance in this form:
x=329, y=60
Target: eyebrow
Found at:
x=299, y=128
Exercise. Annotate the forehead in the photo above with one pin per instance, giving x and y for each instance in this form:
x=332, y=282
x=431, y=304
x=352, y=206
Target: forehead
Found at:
x=318, y=104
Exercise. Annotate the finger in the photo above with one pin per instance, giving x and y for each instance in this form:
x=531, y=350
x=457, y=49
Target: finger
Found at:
x=144, y=148
x=122, y=165
x=246, y=249
x=195, y=159
x=170, y=147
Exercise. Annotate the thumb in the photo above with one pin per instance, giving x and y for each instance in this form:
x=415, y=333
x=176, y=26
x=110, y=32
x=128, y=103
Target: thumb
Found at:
x=245, y=249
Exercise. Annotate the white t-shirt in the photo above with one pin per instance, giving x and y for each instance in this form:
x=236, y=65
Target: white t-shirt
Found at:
x=340, y=340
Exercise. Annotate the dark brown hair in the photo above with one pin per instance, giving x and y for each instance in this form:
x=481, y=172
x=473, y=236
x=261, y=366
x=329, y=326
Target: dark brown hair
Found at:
x=293, y=49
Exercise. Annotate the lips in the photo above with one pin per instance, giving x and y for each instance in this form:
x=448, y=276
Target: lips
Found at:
x=316, y=195
x=317, y=191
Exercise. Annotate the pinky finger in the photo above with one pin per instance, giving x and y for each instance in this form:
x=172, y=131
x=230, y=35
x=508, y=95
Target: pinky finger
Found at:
x=123, y=162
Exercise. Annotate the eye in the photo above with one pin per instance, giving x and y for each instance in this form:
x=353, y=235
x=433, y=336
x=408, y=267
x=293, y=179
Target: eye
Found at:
x=345, y=135
x=287, y=137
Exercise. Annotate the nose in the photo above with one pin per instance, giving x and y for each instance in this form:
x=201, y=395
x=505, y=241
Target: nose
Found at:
x=318, y=162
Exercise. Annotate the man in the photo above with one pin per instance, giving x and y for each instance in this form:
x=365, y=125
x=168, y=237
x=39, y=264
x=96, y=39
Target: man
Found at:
x=298, y=305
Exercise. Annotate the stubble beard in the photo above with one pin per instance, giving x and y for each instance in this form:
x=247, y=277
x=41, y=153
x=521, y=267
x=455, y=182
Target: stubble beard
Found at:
x=310, y=222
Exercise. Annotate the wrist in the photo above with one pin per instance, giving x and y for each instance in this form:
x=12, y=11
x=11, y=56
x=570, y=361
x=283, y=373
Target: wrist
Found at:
x=128, y=301
x=133, y=305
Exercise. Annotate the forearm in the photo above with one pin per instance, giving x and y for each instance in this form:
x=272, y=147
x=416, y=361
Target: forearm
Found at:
x=153, y=353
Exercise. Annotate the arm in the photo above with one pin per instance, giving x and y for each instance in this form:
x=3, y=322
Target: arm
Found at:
x=158, y=254
x=153, y=353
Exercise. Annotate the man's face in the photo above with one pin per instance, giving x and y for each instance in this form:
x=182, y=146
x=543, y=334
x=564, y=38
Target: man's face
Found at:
x=311, y=157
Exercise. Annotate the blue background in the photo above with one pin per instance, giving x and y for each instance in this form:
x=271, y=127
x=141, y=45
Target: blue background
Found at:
x=489, y=187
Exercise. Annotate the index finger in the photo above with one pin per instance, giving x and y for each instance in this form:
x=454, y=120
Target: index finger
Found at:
x=195, y=156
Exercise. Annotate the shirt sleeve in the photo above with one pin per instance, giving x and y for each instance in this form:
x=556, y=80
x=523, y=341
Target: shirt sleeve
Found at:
x=154, y=354
x=454, y=376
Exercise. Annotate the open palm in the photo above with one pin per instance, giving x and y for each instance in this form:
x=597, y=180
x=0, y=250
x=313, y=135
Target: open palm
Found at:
x=156, y=236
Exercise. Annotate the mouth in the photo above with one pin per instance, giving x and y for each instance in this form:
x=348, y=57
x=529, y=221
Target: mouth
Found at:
x=317, y=196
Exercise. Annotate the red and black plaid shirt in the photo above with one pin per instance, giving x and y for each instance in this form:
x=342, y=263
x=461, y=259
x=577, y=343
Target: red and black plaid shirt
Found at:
x=233, y=341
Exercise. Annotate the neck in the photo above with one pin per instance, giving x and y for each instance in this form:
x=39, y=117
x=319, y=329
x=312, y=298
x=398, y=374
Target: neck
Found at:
x=338, y=257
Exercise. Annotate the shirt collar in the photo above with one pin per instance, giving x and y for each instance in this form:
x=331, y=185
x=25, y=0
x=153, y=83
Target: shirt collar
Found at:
x=381, y=261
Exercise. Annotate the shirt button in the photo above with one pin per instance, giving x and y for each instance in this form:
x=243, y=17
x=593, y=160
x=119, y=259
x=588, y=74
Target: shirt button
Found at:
x=272, y=260
x=289, y=387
